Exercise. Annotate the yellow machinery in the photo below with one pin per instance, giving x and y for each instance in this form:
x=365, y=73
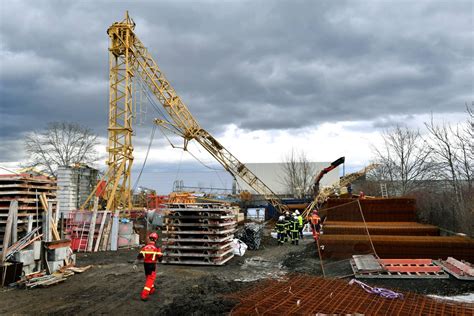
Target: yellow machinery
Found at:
x=129, y=60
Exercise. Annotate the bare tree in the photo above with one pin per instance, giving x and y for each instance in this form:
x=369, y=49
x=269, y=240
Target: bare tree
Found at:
x=404, y=160
x=297, y=173
x=452, y=147
x=61, y=144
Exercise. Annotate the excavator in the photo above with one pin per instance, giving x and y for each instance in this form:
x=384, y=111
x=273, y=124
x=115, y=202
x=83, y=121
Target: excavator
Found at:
x=131, y=62
x=321, y=174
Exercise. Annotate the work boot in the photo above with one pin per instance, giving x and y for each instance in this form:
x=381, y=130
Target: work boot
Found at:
x=144, y=296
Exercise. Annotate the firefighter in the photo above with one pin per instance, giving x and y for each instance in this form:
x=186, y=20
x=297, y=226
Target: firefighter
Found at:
x=288, y=220
x=294, y=227
x=300, y=223
x=281, y=230
x=315, y=224
x=150, y=254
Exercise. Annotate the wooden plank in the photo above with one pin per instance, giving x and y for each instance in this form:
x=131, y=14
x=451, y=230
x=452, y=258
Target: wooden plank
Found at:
x=8, y=228
x=54, y=229
x=90, y=237
x=105, y=238
x=15, y=224
x=30, y=223
x=101, y=229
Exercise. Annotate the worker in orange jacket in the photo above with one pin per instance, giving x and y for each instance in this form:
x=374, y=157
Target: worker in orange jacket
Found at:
x=150, y=254
x=315, y=224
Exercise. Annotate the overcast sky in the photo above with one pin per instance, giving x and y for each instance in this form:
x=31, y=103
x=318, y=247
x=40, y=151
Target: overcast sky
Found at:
x=263, y=77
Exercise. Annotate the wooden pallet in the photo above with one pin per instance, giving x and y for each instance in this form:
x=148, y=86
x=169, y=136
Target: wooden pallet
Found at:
x=397, y=272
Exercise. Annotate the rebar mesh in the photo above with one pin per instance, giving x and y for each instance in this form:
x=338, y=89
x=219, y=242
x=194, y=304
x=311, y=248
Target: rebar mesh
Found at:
x=303, y=295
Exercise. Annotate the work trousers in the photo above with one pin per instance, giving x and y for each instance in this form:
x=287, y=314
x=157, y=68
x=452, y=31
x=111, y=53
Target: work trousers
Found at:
x=281, y=236
x=315, y=229
x=150, y=274
x=294, y=237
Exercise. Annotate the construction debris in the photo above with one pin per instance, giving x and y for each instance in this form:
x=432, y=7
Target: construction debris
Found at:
x=251, y=235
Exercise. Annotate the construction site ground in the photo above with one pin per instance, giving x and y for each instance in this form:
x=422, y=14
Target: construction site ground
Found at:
x=111, y=286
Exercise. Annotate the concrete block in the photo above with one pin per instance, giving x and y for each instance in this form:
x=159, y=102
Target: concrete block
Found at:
x=38, y=265
x=72, y=259
x=55, y=265
x=25, y=256
x=125, y=229
x=28, y=269
x=37, y=250
x=57, y=254
x=131, y=240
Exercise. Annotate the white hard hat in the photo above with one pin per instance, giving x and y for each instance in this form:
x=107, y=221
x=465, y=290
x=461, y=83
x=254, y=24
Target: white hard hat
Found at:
x=297, y=212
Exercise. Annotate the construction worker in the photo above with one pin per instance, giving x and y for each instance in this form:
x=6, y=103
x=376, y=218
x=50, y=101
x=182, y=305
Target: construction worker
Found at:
x=300, y=223
x=315, y=224
x=288, y=220
x=150, y=254
x=281, y=230
x=294, y=228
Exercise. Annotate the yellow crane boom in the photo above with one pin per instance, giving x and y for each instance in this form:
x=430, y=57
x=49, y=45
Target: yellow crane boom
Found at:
x=129, y=59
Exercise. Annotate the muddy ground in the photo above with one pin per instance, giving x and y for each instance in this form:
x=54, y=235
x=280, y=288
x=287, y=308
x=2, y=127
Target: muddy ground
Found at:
x=112, y=287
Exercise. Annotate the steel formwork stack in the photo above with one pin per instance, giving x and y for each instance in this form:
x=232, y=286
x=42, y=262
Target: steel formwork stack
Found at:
x=198, y=233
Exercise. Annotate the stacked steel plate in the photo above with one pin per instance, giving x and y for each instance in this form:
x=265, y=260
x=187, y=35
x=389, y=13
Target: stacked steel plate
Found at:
x=198, y=233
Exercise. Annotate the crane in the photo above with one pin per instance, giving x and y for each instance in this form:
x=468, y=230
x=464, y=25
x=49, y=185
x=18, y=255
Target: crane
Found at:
x=129, y=61
x=321, y=174
x=325, y=193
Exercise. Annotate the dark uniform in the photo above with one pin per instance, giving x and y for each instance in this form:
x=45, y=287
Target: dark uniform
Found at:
x=288, y=220
x=294, y=229
x=281, y=231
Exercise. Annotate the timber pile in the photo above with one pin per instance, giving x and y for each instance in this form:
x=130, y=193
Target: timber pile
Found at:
x=198, y=233
x=26, y=189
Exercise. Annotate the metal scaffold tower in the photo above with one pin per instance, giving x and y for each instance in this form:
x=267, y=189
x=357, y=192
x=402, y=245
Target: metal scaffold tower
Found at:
x=120, y=130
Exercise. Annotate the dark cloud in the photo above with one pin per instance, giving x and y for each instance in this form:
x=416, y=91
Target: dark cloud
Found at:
x=256, y=64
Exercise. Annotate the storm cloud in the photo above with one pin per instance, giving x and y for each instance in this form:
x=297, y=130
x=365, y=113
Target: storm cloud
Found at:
x=260, y=65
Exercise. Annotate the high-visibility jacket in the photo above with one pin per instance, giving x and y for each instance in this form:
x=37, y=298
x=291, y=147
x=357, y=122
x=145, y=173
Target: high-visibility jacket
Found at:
x=294, y=225
x=150, y=253
x=300, y=221
x=315, y=219
x=280, y=226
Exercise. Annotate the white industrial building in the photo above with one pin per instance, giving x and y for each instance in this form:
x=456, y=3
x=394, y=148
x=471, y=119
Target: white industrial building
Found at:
x=273, y=174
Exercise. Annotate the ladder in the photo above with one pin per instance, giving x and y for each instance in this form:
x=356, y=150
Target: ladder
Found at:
x=84, y=236
x=383, y=188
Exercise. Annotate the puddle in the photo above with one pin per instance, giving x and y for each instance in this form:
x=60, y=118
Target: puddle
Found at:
x=257, y=268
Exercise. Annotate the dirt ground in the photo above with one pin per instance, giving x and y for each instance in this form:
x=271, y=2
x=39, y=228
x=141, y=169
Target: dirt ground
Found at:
x=112, y=287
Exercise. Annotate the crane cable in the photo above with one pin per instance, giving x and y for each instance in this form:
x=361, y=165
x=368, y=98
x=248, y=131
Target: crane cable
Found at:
x=152, y=135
